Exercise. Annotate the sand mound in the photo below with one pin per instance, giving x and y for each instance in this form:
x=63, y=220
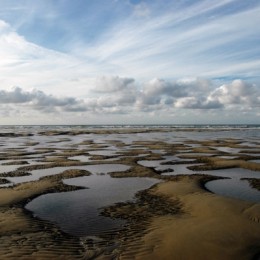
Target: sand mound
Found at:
x=212, y=227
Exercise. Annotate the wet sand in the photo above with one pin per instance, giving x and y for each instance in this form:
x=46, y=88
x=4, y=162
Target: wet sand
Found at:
x=176, y=219
x=208, y=227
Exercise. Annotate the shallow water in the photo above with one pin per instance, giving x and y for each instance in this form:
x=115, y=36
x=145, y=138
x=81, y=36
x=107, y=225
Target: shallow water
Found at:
x=227, y=157
x=255, y=161
x=240, y=189
x=100, y=168
x=228, y=150
x=81, y=158
x=77, y=212
x=9, y=168
x=103, y=152
x=159, y=163
x=233, y=187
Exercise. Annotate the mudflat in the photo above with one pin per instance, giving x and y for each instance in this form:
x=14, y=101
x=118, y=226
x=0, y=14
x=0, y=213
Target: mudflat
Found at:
x=178, y=218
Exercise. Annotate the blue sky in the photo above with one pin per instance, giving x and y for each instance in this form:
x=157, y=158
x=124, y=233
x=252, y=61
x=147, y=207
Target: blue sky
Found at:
x=129, y=61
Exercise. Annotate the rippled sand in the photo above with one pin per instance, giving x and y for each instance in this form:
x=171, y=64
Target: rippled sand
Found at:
x=209, y=227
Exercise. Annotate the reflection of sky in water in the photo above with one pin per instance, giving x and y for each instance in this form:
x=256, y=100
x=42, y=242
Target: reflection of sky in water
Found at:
x=255, y=161
x=81, y=158
x=9, y=168
x=78, y=212
x=234, y=188
x=37, y=174
x=227, y=157
x=228, y=149
x=103, y=152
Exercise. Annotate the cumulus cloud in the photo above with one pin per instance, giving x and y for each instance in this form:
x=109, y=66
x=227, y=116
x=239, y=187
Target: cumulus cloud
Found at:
x=185, y=93
x=157, y=90
x=113, y=84
x=39, y=100
x=194, y=103
x=160, y=94
x=4, y=26
x=14, y=96
x=124, y=96
x=115, y=92
x=237, y=92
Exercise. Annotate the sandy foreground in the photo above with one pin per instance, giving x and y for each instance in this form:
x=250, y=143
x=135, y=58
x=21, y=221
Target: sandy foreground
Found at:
x=175, y=219
x=210, y=227
x=25, y=237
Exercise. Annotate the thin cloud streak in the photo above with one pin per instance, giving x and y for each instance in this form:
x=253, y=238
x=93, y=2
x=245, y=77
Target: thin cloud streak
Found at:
x=167, y=41
x=130, y=45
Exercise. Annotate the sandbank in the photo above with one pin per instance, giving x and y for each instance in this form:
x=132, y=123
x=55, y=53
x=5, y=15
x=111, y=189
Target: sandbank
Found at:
x=209, y=227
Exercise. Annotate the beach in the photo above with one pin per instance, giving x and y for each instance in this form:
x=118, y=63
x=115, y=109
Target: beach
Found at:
x=146, y=193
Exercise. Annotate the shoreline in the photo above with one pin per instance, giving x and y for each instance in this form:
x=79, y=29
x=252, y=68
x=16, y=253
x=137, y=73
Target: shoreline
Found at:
x=22, y=130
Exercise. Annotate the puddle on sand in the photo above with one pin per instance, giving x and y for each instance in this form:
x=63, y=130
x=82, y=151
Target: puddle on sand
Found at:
x=234, y=188
x=228, y=150
x=100, y=168
x=255, y=161
x=81, y=158
x=9, y=168
x=103, y=152
x=77, y=212
x=13, y=167
x=227, y=157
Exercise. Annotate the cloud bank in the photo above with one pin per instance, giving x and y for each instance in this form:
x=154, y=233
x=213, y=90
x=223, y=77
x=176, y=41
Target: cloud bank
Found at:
x=126, y=96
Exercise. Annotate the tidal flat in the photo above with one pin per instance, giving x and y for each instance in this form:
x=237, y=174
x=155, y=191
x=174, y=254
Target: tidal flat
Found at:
x=129, y=192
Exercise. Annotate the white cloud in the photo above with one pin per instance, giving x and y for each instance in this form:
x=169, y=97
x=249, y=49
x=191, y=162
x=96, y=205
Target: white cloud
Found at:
x=31, y=66
x=115, y=93
x=237, y=93
x=4, y=26
x=38, y=100
x=194, y=103
x=119, y=96
x=112, y=84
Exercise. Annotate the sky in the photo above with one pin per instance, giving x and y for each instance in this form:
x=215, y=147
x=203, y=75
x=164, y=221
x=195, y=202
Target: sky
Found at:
x=129, y=62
